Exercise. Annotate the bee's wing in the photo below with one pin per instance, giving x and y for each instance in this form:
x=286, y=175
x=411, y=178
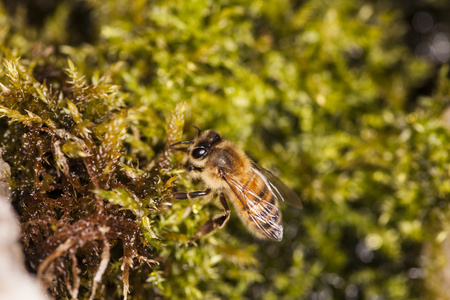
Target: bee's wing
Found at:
x=280, y=190
x=262, y=213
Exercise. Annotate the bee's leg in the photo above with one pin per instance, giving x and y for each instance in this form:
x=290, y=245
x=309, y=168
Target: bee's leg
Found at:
x=188, y=195
x=215, y=222
x=192, y=169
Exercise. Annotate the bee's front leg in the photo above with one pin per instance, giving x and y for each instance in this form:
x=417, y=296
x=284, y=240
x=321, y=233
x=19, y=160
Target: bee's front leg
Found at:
x=192, y=169
x=187, y=195
x=215, y=222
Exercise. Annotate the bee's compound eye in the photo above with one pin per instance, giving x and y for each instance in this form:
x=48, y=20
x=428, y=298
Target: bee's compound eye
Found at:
x=198, y=152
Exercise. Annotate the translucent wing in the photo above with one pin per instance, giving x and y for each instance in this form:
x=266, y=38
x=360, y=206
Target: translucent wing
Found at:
x=281, y=191
x=264, y=216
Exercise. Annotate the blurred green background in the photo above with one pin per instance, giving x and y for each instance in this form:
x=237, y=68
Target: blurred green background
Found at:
x=346, y=101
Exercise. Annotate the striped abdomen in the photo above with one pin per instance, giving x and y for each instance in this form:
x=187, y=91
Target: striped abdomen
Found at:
x=258, y=205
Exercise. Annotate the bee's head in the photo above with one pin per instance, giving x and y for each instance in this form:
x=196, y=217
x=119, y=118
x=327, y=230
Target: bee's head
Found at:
x=203, y=143
x=200, y=147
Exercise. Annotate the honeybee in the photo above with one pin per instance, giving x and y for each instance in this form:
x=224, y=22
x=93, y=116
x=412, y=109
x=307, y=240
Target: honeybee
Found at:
x=254, y=191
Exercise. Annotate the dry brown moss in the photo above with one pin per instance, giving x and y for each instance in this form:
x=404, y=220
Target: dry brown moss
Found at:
x=65, y=150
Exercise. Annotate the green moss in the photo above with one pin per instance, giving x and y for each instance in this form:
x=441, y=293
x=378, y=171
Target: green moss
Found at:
x=322, y=92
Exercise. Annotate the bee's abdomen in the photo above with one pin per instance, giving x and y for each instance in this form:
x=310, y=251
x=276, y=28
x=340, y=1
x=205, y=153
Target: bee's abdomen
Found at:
x=261, y=208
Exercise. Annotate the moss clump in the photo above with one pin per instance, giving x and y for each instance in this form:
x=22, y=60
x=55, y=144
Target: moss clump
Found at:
x=74, y=172
x=65, y=149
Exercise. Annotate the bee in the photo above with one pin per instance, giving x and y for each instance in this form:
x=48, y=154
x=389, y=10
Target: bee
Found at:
x=226, y=170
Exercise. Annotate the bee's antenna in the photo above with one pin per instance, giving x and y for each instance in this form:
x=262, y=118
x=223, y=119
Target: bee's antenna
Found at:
x=182, y=142
x=199, y=130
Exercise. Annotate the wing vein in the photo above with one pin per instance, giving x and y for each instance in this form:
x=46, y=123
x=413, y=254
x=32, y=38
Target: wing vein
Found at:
x=245, y=195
